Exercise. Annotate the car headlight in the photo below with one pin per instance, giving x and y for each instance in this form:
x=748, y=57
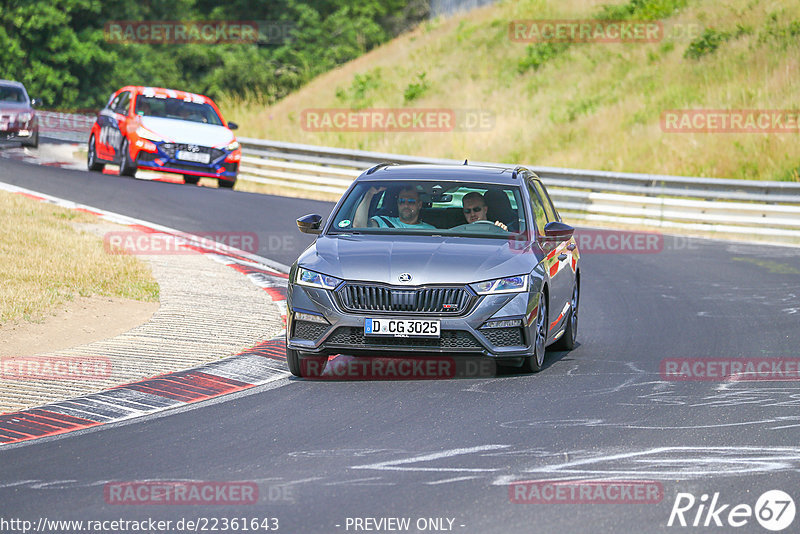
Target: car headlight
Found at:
x=233, y=146
x=313, y=279
x=510, y=284
x=147, y=134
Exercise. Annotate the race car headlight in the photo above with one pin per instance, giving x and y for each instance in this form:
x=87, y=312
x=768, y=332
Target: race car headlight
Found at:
x=510, y=284
x=313, y=279
x=233, y=146
x=147, y=134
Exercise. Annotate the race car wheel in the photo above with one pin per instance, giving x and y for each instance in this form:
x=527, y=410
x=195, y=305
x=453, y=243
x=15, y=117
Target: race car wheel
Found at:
x=567, y=341
x=226, y=184
x=33, y=142
x=301, y=365
x=126, y=166
x=191, y=180
x=91, y=158
x=533, y=363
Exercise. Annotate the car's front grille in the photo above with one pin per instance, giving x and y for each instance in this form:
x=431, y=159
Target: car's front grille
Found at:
x=309, y=330
x=450, y=339
x=433, y=300
x=171, y=149
x=504, y=337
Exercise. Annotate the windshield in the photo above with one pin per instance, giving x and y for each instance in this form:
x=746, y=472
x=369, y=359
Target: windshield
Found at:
x=12, y=94
x=429, y=207
x=175, y=108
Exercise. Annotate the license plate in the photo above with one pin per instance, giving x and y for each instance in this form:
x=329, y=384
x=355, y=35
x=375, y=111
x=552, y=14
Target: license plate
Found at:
x=198, y=157
x=401, y=327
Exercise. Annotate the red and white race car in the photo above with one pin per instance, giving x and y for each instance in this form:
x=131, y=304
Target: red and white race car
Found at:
x=165, y=130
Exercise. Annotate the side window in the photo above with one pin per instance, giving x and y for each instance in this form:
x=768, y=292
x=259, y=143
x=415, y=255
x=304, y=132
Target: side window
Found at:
x=122, y=104
x=549, y=210
x=539, y=215
x=112, y=105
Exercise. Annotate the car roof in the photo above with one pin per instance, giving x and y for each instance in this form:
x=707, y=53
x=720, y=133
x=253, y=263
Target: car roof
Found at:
x=162, y=92
x=461, y=173
x=12, y=83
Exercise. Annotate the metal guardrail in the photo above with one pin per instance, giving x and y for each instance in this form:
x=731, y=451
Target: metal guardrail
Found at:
x=750, y=208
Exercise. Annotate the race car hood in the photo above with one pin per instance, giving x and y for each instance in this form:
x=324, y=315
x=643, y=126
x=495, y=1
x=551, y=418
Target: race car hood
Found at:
x=193, y=133
x=429, y=260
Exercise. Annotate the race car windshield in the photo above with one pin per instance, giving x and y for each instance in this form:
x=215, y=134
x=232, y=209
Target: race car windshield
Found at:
x=175, y=108
x=425, y=207
x=12, y=94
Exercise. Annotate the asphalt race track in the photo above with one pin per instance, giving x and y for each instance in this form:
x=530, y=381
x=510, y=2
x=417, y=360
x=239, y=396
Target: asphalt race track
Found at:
x=325, y=451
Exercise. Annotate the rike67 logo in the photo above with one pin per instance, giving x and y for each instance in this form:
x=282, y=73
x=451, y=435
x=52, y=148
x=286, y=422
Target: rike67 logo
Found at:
x=774, y=510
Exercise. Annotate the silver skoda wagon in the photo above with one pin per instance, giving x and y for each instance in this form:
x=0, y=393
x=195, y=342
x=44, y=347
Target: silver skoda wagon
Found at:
x=420, y=260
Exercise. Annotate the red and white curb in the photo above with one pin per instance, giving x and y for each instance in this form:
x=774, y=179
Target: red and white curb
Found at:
x=261, y=364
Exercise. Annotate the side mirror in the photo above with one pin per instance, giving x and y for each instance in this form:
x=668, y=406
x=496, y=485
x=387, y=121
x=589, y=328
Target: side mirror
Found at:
x=233, y=126
x=309, y=224
x=558, y=231
x=35, y=103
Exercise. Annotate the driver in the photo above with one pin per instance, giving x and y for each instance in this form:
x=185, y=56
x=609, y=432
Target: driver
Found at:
x=475, y=209
x=408, y=208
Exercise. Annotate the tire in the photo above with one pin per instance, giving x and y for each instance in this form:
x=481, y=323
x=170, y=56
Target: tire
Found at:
x=534, y=362
x=226, y=184
x=570, y=335
x=191, y=180
x=305, y=366
x=33, y=142
x=91, y=158
x=126, y=166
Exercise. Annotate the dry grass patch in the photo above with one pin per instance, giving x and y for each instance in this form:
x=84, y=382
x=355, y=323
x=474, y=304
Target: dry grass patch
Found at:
x=46, y=262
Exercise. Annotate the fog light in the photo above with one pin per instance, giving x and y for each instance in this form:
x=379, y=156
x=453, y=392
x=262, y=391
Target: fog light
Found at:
x=504, y=323
x=311, y=318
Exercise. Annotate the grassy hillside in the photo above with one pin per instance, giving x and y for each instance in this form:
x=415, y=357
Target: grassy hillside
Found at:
x=581, y=105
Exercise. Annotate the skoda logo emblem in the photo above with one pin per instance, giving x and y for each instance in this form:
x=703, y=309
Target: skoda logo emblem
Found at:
x=193, y=148
x=405, y=277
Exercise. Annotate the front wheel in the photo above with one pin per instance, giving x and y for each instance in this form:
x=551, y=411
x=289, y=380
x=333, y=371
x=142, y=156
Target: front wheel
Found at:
x=127, y=167
x=305, y=366
x=33, y=142
x=91, y=159
x=534, y=362
x=226, y=184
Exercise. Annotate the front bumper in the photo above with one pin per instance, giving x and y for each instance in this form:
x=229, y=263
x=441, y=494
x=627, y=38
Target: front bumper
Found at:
x=344, y=331
x=162, y=160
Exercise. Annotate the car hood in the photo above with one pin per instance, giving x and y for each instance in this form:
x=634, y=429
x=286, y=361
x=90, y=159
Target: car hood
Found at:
x=15, y=107
x=194, y=133
x=429, y=260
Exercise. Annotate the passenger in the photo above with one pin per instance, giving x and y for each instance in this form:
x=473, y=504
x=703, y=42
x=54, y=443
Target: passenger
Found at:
x=475, y=209
x=408, y=208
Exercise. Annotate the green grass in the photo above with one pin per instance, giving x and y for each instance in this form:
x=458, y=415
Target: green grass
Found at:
x=583, y=105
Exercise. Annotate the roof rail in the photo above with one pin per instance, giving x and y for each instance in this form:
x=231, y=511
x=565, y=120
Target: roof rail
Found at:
x=379, y=166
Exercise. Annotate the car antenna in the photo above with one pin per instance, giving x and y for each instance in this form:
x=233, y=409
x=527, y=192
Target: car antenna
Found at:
x=466, y=162
x=379, y=166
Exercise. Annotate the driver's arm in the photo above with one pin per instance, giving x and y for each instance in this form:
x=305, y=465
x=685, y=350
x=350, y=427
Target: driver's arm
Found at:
x=360, y=217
